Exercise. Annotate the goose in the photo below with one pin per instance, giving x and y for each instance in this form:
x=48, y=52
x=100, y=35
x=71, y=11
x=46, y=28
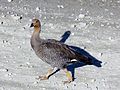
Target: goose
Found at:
x=53, y=52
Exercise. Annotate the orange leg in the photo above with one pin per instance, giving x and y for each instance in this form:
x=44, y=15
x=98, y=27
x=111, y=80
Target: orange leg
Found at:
x=45, y=77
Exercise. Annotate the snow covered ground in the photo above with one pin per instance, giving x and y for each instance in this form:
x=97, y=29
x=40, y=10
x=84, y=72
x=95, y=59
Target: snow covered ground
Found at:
x=94, y=26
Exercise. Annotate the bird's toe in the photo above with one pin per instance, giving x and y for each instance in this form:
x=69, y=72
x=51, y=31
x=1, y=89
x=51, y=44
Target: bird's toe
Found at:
x=67, y=82
x=44, y=77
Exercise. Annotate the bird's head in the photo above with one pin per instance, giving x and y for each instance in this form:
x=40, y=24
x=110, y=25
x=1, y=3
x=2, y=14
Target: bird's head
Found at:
x=35, y=23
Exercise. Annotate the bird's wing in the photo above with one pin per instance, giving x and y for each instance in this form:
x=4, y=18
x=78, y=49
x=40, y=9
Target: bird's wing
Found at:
x=60, y=48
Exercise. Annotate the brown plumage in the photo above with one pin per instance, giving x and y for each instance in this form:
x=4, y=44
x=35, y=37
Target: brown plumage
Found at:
x=53, y=52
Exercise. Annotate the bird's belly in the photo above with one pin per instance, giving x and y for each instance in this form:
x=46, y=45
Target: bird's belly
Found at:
x=55, y=60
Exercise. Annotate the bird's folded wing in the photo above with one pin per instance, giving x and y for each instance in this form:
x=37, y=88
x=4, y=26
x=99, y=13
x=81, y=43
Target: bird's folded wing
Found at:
x=60, y=48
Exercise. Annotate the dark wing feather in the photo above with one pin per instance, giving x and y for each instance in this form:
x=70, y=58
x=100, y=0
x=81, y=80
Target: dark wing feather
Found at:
x=67, y=51
x=57, y=46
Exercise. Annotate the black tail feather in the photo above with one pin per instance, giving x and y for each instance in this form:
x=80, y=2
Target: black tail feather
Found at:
x=83, y=59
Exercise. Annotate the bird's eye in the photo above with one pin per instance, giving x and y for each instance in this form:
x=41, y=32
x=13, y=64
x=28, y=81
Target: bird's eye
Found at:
x=36, y=21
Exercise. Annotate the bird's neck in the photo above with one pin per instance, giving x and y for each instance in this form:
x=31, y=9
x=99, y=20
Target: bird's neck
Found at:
x=37, y=29
x=36, y=33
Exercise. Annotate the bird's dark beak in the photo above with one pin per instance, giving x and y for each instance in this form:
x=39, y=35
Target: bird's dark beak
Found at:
x=31, y=25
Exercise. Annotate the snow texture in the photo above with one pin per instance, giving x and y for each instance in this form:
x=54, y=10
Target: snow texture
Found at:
x=91, y=27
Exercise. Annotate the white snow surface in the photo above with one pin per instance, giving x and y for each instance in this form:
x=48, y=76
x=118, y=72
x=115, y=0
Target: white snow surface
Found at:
x=94, y=26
